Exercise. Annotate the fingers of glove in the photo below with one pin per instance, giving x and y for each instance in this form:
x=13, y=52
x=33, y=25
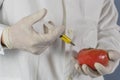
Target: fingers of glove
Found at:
x=84, y=67
x=88, y=71
x=51, y=35
x=105, y=69
x=45, y=28
x=58, y=31
x=50, y=27
x=50, y=22
x=114, y=55
x=35, y=17
x=78, y=68
x=55, y=33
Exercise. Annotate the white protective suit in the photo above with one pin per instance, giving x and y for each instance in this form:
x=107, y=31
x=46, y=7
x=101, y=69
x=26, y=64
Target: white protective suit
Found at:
x=90, y=23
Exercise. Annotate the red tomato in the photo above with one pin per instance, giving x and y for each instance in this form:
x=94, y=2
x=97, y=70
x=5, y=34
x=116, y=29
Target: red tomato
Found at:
x=91, y=56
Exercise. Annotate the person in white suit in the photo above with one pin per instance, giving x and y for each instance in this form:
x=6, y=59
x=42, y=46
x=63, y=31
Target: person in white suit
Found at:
x=29, y=27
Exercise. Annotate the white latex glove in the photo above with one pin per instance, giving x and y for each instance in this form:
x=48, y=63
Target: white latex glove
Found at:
x=100, y=69
x=23, y=36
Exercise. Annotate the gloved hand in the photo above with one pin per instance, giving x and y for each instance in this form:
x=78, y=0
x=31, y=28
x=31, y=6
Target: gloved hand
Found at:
x=100, y=69
x=23, y=36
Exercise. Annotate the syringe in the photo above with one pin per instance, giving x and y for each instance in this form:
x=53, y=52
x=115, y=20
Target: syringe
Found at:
x=66, y=39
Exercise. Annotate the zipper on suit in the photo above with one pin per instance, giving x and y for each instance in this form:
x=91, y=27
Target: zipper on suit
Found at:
x=63, y=44
x=70, y=32
x=63, y=23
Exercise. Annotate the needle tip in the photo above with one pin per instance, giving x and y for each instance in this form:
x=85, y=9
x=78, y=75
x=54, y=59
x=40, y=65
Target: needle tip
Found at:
x=72, y=44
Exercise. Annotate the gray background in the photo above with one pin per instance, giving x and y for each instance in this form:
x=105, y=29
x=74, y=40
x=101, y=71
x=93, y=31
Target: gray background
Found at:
x=116, y=74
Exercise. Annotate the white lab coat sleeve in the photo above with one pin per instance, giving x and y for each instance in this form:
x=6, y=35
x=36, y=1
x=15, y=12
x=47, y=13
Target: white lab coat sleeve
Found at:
x=2, y=26
x=108, y=30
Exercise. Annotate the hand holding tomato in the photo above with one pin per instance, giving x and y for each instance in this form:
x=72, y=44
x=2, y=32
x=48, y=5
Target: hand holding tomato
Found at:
x=91, y=56
x=96, y=62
